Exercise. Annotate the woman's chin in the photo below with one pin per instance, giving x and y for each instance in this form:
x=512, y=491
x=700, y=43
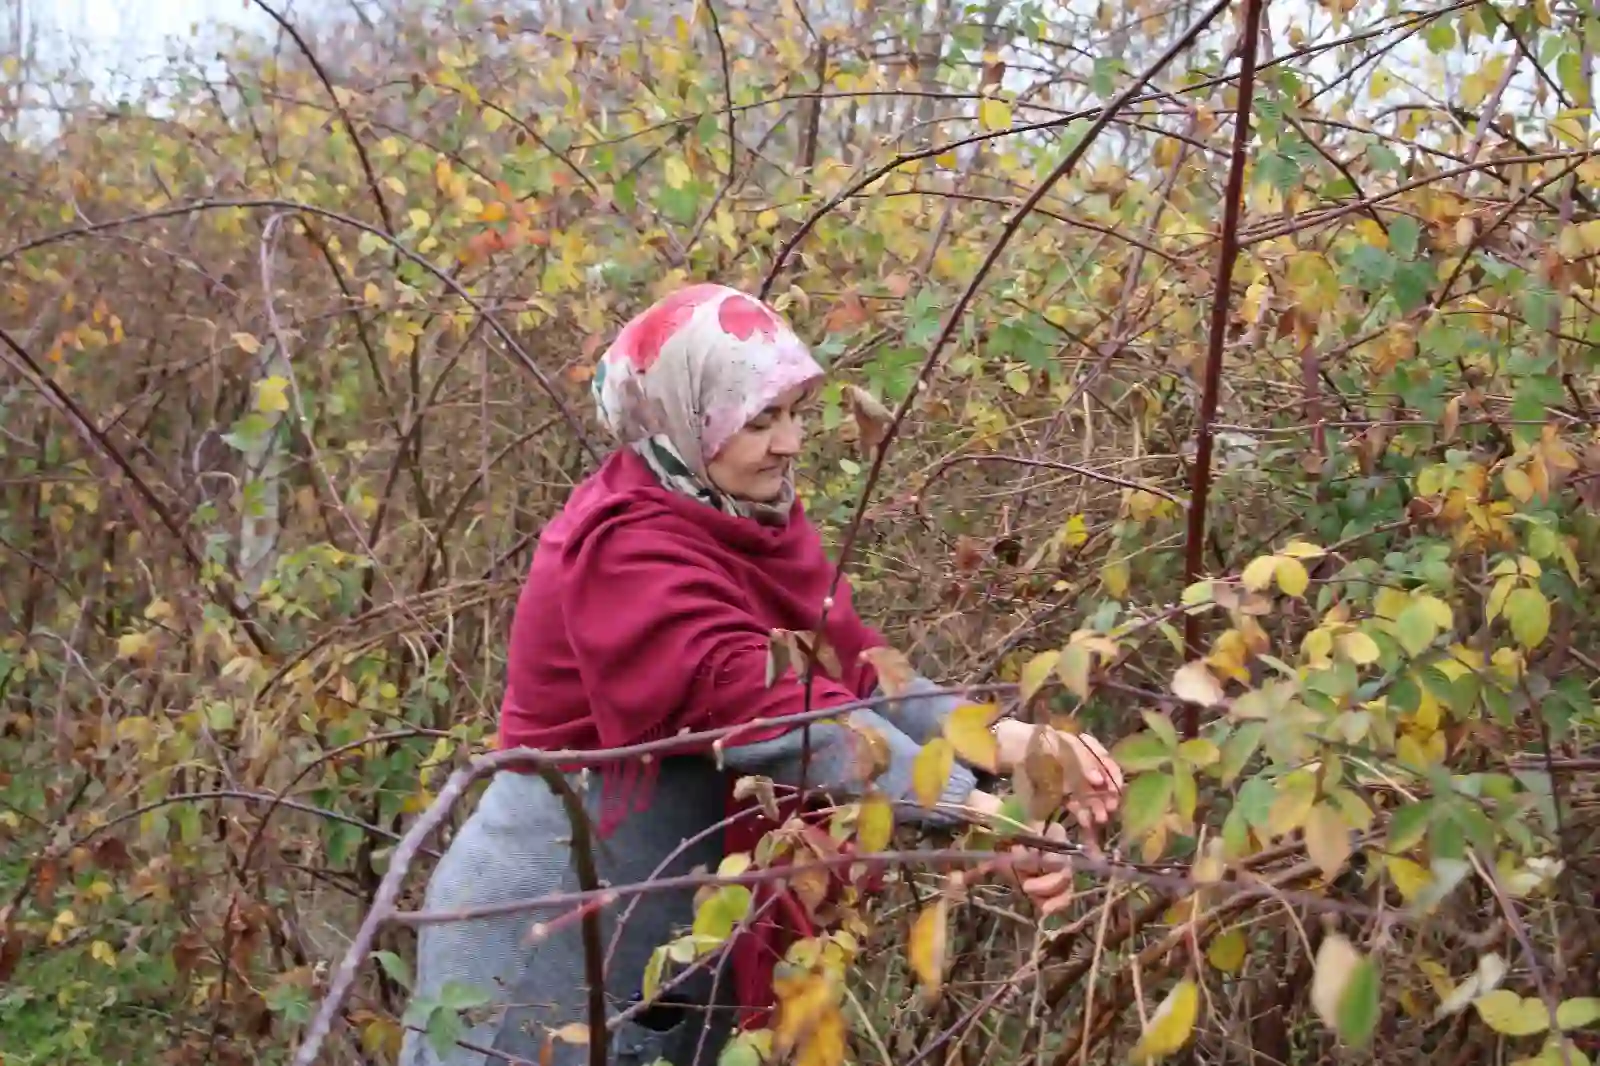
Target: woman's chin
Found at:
x=764, y=492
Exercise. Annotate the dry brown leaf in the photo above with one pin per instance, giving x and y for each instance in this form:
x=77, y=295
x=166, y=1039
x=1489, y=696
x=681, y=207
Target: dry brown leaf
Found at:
x=872, y=418
x=760, y=789
x=894, y=670
x=1040, y=783
x=871, y=751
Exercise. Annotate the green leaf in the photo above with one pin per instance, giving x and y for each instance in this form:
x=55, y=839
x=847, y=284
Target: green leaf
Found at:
x=1407, y=825
x=443, y=1030
x=1140, y=752
x=1529, y=614
x=458, y=995
x=1162, y=727
x=395, y=967
x=1578, y=1012
x=1416, y=629
x=1237, y=749
x=1145, y=802
x=1404, y=232
x=1359, y=1006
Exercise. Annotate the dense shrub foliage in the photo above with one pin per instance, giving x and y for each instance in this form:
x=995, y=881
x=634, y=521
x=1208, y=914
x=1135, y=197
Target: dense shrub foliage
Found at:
x=295, y=351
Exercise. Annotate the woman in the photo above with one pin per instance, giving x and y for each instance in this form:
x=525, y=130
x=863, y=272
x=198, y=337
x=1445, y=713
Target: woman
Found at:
x=648, y=612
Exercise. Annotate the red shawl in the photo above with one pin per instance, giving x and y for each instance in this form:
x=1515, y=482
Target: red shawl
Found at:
x=647, y=613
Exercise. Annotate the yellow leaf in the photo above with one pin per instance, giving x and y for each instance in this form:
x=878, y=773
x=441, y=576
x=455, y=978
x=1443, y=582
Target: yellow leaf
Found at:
x=1327, y=839
x=1115, y=576
x=1227, y=952
x=572, y=1033
x=930, y=771
x=1358, y=647
x=1510, y=1014
x=968, y=730
x=808, y=1014
x=419, y=218
x=134, y=646
x=676, y=172
x=1074, y=532
x=1171, y=1025
x=1292, y=805
x=1037, y=672
x=1569, y=243
x=925, y=951
x=1300, y=549
x=247, y=343
x=1258, y=575
x=100, y=951
x=1195, y=683
x=994, y=114
x=1292, y=576
x=1518, y=483
x=767, y=219
x=272, y=394
x=381, y=1038
x=874, y=823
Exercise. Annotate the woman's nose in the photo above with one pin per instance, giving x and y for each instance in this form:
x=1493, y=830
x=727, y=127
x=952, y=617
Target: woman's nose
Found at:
x=786, y=437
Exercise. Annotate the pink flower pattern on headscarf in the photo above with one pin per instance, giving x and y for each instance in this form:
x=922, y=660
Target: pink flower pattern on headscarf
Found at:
x=689, y=371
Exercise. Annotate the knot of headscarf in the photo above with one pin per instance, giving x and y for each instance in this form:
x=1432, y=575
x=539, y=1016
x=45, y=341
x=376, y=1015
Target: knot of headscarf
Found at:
x=687, y=373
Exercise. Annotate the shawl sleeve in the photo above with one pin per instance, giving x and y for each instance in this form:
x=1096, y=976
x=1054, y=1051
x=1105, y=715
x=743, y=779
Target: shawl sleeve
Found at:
x=664, y=640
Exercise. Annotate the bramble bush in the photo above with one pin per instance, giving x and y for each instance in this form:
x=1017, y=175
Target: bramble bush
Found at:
x=1267, y=450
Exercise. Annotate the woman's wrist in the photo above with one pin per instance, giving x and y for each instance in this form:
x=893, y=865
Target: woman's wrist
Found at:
x=985, y=804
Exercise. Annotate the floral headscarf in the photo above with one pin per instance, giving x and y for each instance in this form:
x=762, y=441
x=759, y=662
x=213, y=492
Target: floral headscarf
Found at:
x=687, y=373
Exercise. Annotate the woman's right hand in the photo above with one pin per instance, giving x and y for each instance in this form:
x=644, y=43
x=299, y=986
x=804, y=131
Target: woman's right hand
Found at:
x=1045, y=876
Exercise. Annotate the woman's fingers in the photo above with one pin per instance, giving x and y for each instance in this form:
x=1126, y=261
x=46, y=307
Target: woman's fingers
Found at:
x=1112, y=768
x=1106, y=773
x=1048, y=885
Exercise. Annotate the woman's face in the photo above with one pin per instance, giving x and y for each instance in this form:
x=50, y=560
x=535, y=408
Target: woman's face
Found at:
x=755, y=462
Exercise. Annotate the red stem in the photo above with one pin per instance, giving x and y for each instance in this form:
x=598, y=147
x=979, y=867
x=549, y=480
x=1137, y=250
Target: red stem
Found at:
x=1200, y=485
